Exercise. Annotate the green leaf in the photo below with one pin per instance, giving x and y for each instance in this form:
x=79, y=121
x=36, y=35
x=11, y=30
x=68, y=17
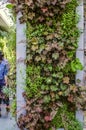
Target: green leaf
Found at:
x=70, y=54
x=63, y=87
x=53, y=88
x=60, y=75
x=50, y=68
x=34, y=47
x=48, y=80
x=9, y=6
x=34, y=41
x=54, y=75
x=57, y=96
x=44, y=87
x=76, y=65
x=37, y=58
x=45, y=33
x=55, y=56
x=47, y=99
x=29, y=57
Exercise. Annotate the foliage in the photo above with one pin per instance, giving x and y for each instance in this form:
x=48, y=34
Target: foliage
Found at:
x=52, y=40
x=13, y=107
x=11, y=56
x=2, y=39
x=34, y=81
x=8, y=46
x=65, y=118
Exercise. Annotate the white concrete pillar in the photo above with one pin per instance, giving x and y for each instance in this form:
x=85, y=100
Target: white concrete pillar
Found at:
x=20, y=64
x=80, y=50
x=80, y=54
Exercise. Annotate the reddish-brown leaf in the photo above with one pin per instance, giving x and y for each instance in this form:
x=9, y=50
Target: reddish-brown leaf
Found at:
x=47, y=118
x=70, y=98
x=44, y=9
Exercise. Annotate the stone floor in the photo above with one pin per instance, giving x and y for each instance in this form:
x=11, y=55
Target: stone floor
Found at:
x=7, y=122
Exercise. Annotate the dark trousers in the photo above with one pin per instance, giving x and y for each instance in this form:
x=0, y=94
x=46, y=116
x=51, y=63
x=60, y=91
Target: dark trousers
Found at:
x=3, y=97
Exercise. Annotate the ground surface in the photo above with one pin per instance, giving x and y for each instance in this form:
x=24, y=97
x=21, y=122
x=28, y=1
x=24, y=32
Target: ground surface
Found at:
x=7, y=122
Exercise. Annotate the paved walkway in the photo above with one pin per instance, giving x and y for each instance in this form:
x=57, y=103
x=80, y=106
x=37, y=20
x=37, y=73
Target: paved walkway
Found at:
x=7, y=122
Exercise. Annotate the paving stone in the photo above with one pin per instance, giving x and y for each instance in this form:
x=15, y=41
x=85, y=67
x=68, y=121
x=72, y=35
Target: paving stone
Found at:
x=7, y=122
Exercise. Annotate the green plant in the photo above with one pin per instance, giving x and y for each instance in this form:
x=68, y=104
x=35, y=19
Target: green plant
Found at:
x=52, y=40
x=65, y=118
x=76, y=65
x=34, y=82
x=8, y=46
x=13, y=108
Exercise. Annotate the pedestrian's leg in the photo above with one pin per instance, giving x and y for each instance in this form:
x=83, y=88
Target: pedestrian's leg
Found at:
x=0, y=106
x=0, y=99
x=7, y=104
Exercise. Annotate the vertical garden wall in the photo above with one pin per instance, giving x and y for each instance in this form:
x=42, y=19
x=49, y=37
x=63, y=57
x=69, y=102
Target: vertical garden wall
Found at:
x=51, y=94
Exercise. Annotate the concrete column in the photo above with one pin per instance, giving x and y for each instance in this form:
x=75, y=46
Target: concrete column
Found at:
x=80, y=54
x=20, y=64
x=80, y=50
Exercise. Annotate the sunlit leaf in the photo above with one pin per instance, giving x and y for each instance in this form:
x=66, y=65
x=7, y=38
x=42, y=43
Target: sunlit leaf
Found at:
x=49, y=37
x=41, y=48
x=47, y=98
x=34, y=47
x=54, y=75
x=48, y=80
x=60, y=75
x=66, y=80
x=28, y=2
x=45, y=33
x=76, y=65
x=60, y=93
x=50, y=67
x=31, y=16
x=9, y=6
x=37, y=58
x=53, y=88
x=48, y=47
x=55, y=56
x=34, y=41
x=43, y=58
x=52, y=94
x=29, y=57
x=73, y=88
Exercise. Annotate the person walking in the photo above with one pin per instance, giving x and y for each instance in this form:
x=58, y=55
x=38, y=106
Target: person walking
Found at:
x=5, y=61
x=3, y=82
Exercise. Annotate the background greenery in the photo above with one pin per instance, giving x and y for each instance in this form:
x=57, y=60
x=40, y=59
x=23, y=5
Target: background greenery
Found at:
x=8, y=46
